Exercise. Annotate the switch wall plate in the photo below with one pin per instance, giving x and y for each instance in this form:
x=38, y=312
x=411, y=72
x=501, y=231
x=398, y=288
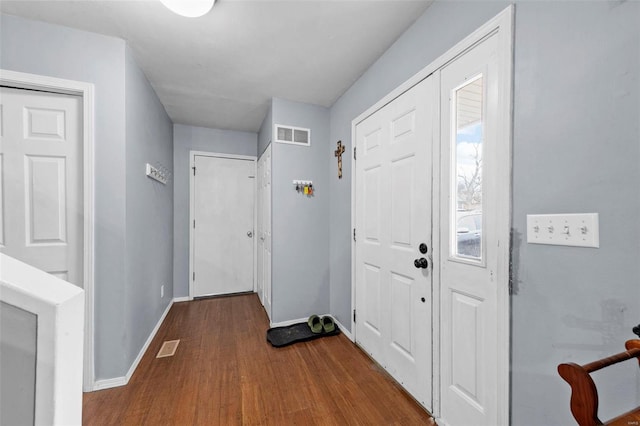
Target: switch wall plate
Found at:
x=578, y=229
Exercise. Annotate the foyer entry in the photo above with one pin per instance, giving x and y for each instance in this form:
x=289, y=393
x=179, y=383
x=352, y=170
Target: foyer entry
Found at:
x=222, y=224
x=431, y=230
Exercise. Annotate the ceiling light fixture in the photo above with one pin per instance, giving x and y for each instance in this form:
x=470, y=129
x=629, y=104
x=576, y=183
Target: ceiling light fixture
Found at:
x=189, y=8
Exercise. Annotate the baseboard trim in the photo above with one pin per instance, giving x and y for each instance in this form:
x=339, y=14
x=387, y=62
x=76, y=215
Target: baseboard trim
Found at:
x=182, y=299
x=347, y=334
x=295, y=321
x=289, y=322
x=109, y=383
x=344, y=331
x=121, y=381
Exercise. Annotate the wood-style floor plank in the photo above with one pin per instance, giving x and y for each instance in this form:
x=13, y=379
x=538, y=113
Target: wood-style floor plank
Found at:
x=224, y=372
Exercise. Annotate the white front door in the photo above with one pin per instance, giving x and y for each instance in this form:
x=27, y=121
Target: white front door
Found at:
x=264, y=229
x=41, y=205
x=393, y=219
x=223, y=204
x=472, y=194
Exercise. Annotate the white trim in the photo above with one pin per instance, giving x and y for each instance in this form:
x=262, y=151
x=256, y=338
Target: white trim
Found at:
x=288, y=322
x=86, y=90
x=435, y=258
x=343, y=330
x=298, y=320
x=353, y=230
x=182, y=299
x=503, y=25
x=123, y=380
x=110, y=383
x=192, y=155
x=505, y=21
x=58, y=306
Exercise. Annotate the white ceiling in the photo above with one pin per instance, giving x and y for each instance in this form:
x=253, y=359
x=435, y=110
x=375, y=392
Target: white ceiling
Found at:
x=221, y=70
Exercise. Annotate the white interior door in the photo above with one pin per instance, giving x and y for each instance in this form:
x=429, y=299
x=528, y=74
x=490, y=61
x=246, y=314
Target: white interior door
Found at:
x=469, y=244
x=223, y=208
x=393, y=218
x=265, y=233
x=260, y=229
x=41, y=204
x=264, y=230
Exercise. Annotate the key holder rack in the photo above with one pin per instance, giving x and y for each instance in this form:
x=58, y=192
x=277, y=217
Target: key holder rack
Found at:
x=304, y=187
x=161, y=174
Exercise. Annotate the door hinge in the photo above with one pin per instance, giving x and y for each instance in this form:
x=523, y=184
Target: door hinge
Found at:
x=194, y=170
x=354, y=315
x=194, y=223
x=194, y=276
x=354, y=234
x=354, y=152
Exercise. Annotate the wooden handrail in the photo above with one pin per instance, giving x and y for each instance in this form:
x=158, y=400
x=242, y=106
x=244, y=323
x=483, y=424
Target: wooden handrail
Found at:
x=614, y=359
x=584, y=395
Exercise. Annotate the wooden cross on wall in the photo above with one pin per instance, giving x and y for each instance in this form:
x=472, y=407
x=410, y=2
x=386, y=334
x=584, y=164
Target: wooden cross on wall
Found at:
x=338, y=153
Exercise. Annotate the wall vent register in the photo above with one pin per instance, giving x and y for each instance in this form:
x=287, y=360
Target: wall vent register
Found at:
x=292, y=135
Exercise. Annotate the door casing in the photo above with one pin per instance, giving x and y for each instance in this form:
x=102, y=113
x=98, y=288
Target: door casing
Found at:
x=192, y=155
x=85, y=90
x=502, y=26
x=264, y=205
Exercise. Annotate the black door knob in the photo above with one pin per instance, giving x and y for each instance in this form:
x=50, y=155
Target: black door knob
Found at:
x=422, y=299
x=421, y=263
x=423, y=248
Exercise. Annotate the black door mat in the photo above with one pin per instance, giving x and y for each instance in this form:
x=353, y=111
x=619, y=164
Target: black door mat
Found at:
x=284, y=336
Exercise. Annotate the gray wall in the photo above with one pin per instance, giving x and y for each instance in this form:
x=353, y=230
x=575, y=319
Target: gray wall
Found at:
x=133, y=215
x=576, y=149
x=185, y=139
x=300, y=224
x=51, y=50
x=577, y=93
x=18, y=345
x=149, y=214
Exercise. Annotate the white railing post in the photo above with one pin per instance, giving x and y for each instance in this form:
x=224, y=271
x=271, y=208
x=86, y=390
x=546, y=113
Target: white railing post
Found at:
x=59, y=310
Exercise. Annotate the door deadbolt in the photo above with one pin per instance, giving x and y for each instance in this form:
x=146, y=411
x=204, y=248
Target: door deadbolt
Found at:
x=250, y=234
x=423, y=248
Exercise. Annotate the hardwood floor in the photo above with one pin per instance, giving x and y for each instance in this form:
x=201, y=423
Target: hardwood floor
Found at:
x=226, y=373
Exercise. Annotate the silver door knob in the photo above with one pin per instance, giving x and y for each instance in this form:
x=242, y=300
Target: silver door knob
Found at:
x=250, y=234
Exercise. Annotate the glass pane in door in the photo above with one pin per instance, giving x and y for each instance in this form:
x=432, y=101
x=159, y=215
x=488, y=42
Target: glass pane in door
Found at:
x=467, y=158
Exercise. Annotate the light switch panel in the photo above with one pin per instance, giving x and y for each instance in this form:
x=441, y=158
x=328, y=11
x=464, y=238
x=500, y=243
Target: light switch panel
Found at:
x=579, y=230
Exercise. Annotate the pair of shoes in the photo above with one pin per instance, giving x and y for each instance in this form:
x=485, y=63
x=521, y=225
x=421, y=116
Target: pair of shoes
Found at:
x=321, y=325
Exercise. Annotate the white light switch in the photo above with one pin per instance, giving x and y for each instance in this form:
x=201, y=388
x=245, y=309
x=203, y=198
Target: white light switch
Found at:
x=580, y=230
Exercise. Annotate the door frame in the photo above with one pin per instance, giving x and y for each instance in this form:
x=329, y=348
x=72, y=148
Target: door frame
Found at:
x=21, y=80
x=268, y=148
x=502, y=25
x=192, y=157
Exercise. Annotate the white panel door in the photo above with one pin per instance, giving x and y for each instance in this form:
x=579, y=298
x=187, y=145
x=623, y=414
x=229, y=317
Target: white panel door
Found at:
x=223, y=230
x=260, y=229
x=469, y=245
x=41, y=206
x=393, y=218
x=264, y=231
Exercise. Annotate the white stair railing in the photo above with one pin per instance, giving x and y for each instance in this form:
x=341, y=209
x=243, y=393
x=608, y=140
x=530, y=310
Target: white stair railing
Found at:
x=32, y=298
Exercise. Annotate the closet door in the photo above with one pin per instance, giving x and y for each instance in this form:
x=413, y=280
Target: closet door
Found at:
x=264, y=230
x=41, y=188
